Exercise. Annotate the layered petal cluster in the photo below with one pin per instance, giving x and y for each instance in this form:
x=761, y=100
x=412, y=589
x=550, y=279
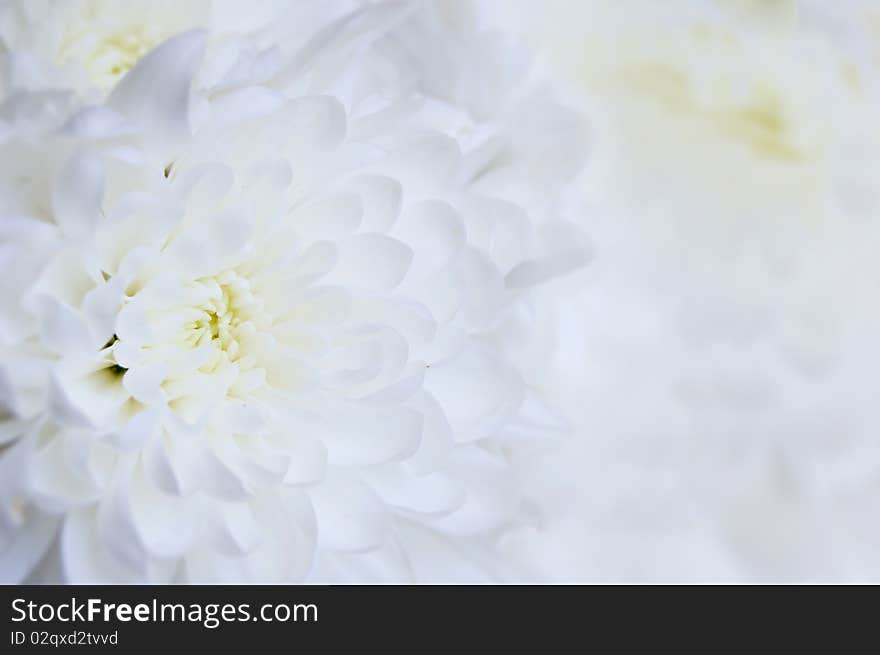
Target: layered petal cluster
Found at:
x=262, y=308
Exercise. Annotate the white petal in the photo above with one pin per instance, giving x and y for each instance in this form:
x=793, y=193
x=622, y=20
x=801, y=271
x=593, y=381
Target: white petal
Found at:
x=27, y=547
x=313, y=264
x=217, y=243
x=409, y=318
x=77, y=194
x=350, y=516
x=164, y=522
x=140, y=430
x=380, y=199
x=100, y=307
x=499, y=228
x=435, y=557
x=308, y=460
x=91, y=391
x=118, y=532
x=535, y=420
x=97, y=123
x=221, y=480
x=316, y=306
x=431, y=494
x=365, y=436
x=372, y=261
x=343, y=35
x=287, y=371
x=155, y=94
x=313, y=124
x=84, y=556
x=436, y=443
x=54, y=486
x=426, y=164
x=173, y=463
x=240, y=105
x=205, y=186
x=331, y=218
x=144, y=383
x=384, y=565
x=477, y=392
x=567, y=251
x=492, y=495
x=65, y=279
x=434, y=231
x=63, y=329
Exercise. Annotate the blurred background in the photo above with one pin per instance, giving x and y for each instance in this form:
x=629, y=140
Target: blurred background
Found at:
x=720, y=356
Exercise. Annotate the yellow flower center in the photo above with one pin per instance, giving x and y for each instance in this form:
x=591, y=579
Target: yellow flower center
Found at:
x=227, y=316
x=118, y=53
x=108, y=56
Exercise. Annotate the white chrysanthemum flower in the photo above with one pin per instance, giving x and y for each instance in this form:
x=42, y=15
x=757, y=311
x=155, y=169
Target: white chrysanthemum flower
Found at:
x=270, y=330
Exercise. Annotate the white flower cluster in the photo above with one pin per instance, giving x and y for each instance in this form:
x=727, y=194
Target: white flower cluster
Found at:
x=266, y=270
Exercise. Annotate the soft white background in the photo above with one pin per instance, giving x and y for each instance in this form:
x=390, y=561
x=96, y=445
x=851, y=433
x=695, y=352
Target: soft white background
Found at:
x=720, y=356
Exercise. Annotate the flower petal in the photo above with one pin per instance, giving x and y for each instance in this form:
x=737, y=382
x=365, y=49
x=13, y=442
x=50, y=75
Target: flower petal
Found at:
x=85, y=558
x=362, y=436
x=155, y=94
x=350, y=516
x=477, y=392
x=372, y=261
x=77, y=194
